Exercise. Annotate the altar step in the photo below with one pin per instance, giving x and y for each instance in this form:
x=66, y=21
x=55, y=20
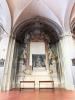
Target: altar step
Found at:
x=38, y=74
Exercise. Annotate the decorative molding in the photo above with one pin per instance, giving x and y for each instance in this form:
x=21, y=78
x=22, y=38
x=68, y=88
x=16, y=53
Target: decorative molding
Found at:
x=69, y=34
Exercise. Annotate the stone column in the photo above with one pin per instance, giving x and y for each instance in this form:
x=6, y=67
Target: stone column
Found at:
x=66, y=43
x=8, y=66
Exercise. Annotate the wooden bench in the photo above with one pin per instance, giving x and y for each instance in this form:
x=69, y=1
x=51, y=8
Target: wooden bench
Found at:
x=26, y=82
x=47, y=82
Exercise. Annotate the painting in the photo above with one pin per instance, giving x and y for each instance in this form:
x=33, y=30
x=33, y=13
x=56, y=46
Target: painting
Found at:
x=38, y=60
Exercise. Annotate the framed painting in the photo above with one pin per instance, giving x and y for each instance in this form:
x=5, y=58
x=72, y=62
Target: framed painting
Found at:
x=38, y=60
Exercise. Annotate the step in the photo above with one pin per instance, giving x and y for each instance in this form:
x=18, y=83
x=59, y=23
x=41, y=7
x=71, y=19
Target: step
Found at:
x=38, y=74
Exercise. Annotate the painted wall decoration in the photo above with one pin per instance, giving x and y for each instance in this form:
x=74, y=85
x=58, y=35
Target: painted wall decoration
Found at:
x=38, y=60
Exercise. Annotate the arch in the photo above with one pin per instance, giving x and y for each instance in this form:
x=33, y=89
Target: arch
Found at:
x=72, y=19
x=48, y=23
x=72, y=15
x=68, y=15
x=72, y=26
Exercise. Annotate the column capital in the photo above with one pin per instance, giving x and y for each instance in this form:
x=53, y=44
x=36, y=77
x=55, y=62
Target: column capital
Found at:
x=66, y=34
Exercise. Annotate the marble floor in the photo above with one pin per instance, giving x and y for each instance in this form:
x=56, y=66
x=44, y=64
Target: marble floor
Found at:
x=35, y=94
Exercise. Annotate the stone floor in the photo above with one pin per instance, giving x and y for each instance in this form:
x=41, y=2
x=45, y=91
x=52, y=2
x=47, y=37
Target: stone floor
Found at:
x=42, y=94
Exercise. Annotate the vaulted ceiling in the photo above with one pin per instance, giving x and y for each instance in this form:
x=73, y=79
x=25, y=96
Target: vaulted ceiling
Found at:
x=60, y=11
x=13, y=12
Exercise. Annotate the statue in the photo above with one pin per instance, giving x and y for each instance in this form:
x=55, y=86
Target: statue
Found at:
x=27, y=69
x=25, y=56
x=50, y=57
x=53, y=59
